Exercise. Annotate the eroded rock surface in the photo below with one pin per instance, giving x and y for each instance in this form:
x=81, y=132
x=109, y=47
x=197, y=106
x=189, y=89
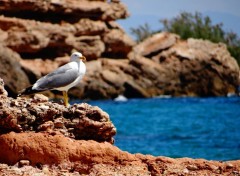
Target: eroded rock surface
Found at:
x=187, y=68
x=67, y=10
x=45, y=138
x=79, y=121
x=194, y=67
x=174, y=67
x=93, y=158
x=41, y=39
x=42, y=32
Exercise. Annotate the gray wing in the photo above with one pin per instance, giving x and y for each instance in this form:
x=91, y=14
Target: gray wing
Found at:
x=59, y=78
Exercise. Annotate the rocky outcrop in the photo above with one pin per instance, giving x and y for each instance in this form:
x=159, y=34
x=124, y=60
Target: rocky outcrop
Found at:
x=115, y=38
x=161, y=65
x=42, y=39
x=67, y=10
x=92, y=158
x=174, y=67
x=195, y=67
x=165, y=65
x=80, y=121
x=41, y=137
x=45, y=30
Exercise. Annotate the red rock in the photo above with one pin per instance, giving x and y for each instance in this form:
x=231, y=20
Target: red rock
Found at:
x=91, y=158
x=37, y=148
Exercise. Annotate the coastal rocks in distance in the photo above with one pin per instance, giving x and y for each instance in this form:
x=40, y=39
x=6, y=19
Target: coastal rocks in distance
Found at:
x=108, y=78
x=79, y=121
x=160, y=65
x=58, y=154
x=195, y=67
x=163, y=65
x=176, y=67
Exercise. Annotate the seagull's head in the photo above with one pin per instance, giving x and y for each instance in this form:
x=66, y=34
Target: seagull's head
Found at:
x=76, y=56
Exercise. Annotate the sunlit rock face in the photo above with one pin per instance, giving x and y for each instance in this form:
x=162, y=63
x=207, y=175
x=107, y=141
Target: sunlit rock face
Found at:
x=42, y=35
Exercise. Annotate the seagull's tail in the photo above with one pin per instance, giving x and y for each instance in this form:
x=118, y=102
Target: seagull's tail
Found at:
x=29, y=91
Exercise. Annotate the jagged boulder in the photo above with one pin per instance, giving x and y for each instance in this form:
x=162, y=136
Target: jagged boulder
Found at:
x=79, y=121
x=193, y=67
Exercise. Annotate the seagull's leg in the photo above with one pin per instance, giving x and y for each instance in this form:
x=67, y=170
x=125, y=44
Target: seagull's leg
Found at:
x=65, y=96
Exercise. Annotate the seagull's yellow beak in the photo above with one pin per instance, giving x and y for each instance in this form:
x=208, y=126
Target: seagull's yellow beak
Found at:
x=83, y=59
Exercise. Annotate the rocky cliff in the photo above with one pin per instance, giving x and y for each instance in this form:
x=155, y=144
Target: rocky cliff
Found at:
x=38, y=36
x=38, y=32
x=38, y=137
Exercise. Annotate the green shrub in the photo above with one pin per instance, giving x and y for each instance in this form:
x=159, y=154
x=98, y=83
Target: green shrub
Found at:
x=141, y=32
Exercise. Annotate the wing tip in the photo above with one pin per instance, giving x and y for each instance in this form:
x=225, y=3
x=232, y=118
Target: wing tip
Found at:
x=28, y=91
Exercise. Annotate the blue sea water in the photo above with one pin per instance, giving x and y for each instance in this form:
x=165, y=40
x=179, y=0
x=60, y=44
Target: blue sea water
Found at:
x=206, y=128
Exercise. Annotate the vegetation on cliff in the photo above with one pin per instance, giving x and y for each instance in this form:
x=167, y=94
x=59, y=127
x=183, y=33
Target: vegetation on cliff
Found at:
x=196, y=25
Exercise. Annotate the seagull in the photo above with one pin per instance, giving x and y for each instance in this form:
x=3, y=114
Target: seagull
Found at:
x=62, y=79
